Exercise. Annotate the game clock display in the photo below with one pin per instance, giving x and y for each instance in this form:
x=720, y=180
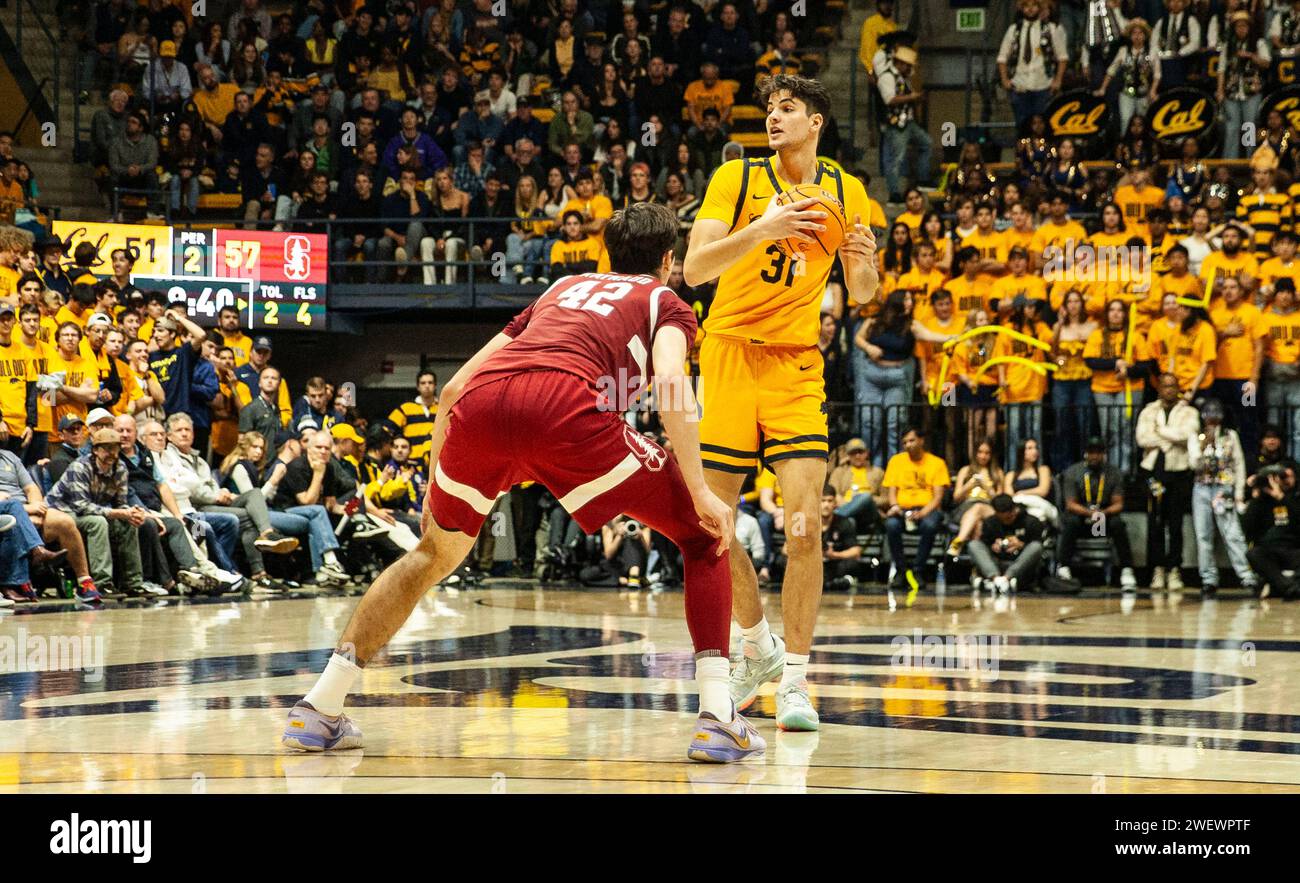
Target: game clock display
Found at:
x=277, y=281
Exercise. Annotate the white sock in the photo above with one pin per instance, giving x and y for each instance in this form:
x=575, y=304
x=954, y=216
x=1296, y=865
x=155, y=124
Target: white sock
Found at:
x=335, y=683
x=330, y=557
x=758, y=639
x=711, y=675
x=796, y=669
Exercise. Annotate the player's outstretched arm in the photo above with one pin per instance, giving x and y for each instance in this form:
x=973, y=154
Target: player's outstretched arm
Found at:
x=858, y=251
x=712, y=251
x=680, y=417
x=451, y=393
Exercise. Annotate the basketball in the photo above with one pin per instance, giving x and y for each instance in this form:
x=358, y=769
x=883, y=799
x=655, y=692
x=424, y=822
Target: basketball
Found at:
x=823, y=244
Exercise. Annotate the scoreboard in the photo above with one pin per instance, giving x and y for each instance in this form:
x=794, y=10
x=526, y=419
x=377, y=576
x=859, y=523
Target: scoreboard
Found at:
x=277, y=281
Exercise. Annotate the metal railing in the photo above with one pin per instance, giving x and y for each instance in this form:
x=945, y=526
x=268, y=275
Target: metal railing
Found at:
x=35, y=24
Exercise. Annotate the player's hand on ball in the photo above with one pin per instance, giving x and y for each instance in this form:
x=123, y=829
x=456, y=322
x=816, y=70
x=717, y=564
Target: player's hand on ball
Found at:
x=859, y=242
x=795, y=220
x=717, y=518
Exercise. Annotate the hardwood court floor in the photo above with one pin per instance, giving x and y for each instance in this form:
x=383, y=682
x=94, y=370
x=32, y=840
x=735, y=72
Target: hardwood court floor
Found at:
x=519, y=690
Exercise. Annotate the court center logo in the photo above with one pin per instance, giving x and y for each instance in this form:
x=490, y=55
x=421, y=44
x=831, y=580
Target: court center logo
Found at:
x=647, y=451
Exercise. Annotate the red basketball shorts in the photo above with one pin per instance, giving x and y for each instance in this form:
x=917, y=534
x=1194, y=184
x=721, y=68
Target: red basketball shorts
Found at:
x=544, y=426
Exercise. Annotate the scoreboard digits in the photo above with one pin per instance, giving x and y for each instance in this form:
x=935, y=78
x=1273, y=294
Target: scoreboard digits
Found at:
x=275, y=280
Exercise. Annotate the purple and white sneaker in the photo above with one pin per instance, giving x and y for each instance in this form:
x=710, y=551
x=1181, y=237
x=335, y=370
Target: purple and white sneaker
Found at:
x=716, y=742
x=309, y=730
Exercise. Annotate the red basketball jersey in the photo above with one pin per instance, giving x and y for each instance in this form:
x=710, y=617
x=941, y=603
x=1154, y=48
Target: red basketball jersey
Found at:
x=599, y=326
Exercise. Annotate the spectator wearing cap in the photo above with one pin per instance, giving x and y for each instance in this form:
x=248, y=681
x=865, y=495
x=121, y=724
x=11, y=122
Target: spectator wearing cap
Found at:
x=1009, y=549
x=899, y=130
x=249, y=376
x=841, y=551
x=349, y=448
x=50, y=251
x=95, y=490
x=523, y=124
x=166, y=83
x=857, y=486
x=133, y=161
x=481, y=126
x=1094, y=500
x=430, y=155
x=176, y=363
x=190, y=479
x=18, y=411
x=92, y=348
x=1164, y=430
x=1218, y=467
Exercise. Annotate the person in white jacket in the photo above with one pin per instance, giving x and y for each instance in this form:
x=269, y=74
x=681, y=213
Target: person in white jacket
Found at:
x=1163, y=430
x=1218, y=498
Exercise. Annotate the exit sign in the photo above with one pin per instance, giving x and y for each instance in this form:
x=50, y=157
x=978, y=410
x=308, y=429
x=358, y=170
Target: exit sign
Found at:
x=970, y=20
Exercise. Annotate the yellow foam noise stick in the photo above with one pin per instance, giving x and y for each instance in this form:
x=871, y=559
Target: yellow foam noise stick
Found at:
x=997, y=329
x=1040, y=367
x=937, y=389
x=1128, y=358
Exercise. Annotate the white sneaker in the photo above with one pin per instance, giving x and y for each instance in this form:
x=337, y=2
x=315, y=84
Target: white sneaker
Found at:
x=1001, y=584
x=749, y=675
x=1063, y=572
x=1011, y=584
x=1127, y=581
x=5, y=603
x=794, y=710
x=976, y=583
x=1175, y=581
x=1158, y=578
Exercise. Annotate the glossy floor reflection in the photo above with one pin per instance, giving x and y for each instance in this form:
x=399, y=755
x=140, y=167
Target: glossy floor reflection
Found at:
x=515, y=689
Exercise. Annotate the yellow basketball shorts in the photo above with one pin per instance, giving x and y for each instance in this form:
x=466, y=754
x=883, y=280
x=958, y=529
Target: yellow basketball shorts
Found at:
x=759, y=399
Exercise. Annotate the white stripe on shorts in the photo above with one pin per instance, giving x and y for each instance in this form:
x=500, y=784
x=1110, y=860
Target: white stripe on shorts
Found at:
x=479, y=503
x=585, y=493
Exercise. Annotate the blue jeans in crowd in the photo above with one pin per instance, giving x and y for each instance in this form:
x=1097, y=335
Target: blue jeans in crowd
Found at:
x=312, y=522
x=882, y=395
x=191, y=192
x=528, y=252
x=343, y=250
x=1025, y=104
x=927, y=528
x=1115, y=425
x=224, y=537
x=861, y=509
x=1283, y=409
x=893, y=154
x=1072, y=402
x=16, y=544
x=1236, y=113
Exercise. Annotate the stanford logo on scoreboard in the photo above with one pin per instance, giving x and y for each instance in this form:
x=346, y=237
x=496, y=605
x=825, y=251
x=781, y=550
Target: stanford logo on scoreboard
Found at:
x=297, y=257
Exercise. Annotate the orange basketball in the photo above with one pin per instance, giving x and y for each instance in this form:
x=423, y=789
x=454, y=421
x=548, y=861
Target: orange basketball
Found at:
x=824, y=243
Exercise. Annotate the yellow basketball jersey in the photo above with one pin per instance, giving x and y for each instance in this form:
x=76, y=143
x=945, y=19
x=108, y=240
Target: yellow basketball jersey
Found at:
x=764, y=297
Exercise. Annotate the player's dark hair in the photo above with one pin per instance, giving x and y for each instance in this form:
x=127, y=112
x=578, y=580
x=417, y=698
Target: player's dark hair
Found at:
x=812, y=93
x=638, y=236
x=28, y=308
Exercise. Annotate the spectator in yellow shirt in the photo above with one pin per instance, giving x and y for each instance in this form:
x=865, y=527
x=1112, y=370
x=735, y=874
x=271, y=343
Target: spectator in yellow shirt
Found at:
x=1072, y=382
x=915, y=480
x=1053, y=239
x=1231, y=259
x=1136, y=199
x=1240, y=332
x=1282, y=263
x=575, y=252
x=708, y=91
x=1022, y=387
x=594, y=208
x=1019, y=284
x=875, y=27
x=1281, y=329
x=922, y=280
x=1116, y=361
x=1188, y=351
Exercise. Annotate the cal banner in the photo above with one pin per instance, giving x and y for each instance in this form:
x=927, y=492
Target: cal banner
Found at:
x=154, y=244
x=1084, y=118
x=202, y=297
x=1286, y=101
x=1182, y=113
x=288, y=271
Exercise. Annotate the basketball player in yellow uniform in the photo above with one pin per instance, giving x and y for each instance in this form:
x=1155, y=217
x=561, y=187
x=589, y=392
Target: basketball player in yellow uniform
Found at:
x=761, y=385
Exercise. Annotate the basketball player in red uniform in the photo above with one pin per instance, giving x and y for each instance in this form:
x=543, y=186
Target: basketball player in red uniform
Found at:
x=541, y=402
